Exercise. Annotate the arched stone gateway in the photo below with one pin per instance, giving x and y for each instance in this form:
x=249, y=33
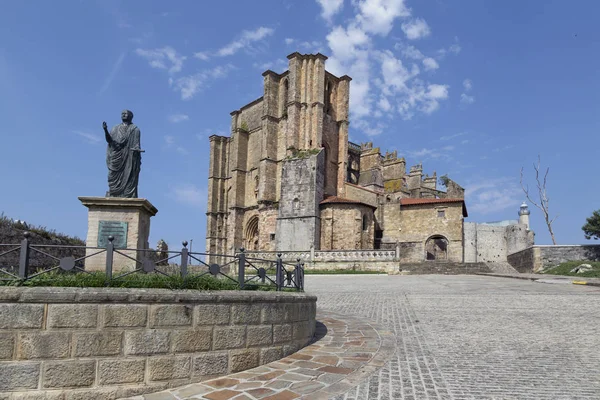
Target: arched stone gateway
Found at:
x=436, y=248
x=251, y=234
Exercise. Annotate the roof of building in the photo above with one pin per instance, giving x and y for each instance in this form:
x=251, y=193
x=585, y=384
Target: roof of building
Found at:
x=341, y=200
x=414, y=202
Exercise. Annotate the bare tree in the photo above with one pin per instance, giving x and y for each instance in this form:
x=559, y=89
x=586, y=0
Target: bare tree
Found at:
x=542, y=204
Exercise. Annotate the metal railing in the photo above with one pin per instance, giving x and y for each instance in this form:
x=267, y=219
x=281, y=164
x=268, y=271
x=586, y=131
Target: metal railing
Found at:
x=238, y=268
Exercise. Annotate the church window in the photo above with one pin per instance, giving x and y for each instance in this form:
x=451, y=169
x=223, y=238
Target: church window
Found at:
x=284, y=98
x=296, y=204
x=365, y=222
x=441, y=213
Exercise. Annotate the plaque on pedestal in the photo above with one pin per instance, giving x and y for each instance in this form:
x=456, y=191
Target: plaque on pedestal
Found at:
x=127, y=220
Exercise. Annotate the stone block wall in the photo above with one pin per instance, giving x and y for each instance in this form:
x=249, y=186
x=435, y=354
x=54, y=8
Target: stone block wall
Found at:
x=493, y=243
x=537, y=258
x=525, y=261
x=342, y=227
x=71, y=343
x=298, y=220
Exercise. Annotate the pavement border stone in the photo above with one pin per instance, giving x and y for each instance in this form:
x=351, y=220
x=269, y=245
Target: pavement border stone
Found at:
x=346, y=351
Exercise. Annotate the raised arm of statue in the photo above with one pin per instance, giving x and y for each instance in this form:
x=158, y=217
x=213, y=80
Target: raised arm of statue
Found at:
x=106, y=133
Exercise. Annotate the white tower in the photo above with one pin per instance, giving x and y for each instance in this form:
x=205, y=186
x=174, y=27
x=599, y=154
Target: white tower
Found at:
x=524, y=215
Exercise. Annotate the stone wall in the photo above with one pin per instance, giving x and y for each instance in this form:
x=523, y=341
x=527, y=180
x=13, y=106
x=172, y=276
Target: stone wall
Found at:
x=536, y=258
x=73, y=343
x=298, y=220
x=493, y=242
x=525, y=261
x=342, y=226
x=414, y=224
x=358, y=193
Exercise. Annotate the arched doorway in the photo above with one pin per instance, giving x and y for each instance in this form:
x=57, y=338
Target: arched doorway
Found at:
x=436, y=248
x=251, y=234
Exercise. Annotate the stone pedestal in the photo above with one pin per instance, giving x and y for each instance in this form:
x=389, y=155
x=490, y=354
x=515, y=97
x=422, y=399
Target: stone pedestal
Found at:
x=127, y=220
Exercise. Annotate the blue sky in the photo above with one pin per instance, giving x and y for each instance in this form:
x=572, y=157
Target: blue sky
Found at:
x=475, y=89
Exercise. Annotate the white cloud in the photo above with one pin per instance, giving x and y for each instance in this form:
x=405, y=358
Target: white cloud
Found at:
x=190, y=85
x=113, y=72
x=202, y=55
x=453, y=136
x=431, y=153
x=417, y=96
x=330, y=7
x=492, y=195
x=378, y=16
x=504, y=148
x=272, y=65
x=90, y=137
x=410, y=51
x=370, y=129
x=313, y=46
x=163, y=58
x=416, y=29
x=466, y=99
x=170, y=143
x=383, y=84
x=455, y=48
x=430, y=64
x=190, y=195
x=246, y=38
x=345, y=42
x=468, y=85
x=175, y=118
x=182, y=150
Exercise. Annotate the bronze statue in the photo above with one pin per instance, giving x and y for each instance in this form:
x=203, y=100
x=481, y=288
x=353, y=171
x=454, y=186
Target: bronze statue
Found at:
x=123, y=157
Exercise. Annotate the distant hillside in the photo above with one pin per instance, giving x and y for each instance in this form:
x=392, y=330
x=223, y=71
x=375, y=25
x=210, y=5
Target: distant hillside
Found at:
x=11, y=232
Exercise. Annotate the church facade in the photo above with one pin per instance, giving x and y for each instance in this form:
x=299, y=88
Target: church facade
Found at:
x=288, y=179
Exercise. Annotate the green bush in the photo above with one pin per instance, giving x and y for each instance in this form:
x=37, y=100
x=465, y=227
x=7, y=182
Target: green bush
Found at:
x=566, y=267
x=136, y=280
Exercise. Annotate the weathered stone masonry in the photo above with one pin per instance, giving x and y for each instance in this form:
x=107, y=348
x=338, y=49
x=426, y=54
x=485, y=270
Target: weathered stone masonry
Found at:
x=288, y=179
x=113, y=343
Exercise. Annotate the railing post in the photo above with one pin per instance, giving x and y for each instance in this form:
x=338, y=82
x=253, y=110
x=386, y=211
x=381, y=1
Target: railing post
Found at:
x=397, y=250
x=279, y=272
x=110, y=247
x=297, y=274
x=184, y=259
x=241, y=268
x=24, y=258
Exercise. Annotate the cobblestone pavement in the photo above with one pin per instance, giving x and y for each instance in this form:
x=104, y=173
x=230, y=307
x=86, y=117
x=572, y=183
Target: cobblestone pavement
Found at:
x=474, y=337
x=346, y=351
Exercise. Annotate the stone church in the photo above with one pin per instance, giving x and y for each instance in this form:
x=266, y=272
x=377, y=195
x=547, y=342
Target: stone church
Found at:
x=288, y=179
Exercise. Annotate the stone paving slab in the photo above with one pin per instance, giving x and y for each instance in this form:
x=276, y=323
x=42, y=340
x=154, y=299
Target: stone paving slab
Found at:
x=548, y=278
x=474, y=337
x=346, y=351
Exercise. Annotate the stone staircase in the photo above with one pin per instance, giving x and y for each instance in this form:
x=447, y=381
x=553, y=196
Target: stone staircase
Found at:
x=443, y=267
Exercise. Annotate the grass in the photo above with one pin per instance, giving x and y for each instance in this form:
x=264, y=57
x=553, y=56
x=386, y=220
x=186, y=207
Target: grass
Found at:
x=136, y=280
x=566, y=267
x=338, y=272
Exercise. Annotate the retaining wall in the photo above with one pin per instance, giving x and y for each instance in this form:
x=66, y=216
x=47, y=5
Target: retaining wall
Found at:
x=536, y=258
x=73, y=343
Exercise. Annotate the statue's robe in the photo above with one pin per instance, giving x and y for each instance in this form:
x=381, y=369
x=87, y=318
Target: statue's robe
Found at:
x=123, y=162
